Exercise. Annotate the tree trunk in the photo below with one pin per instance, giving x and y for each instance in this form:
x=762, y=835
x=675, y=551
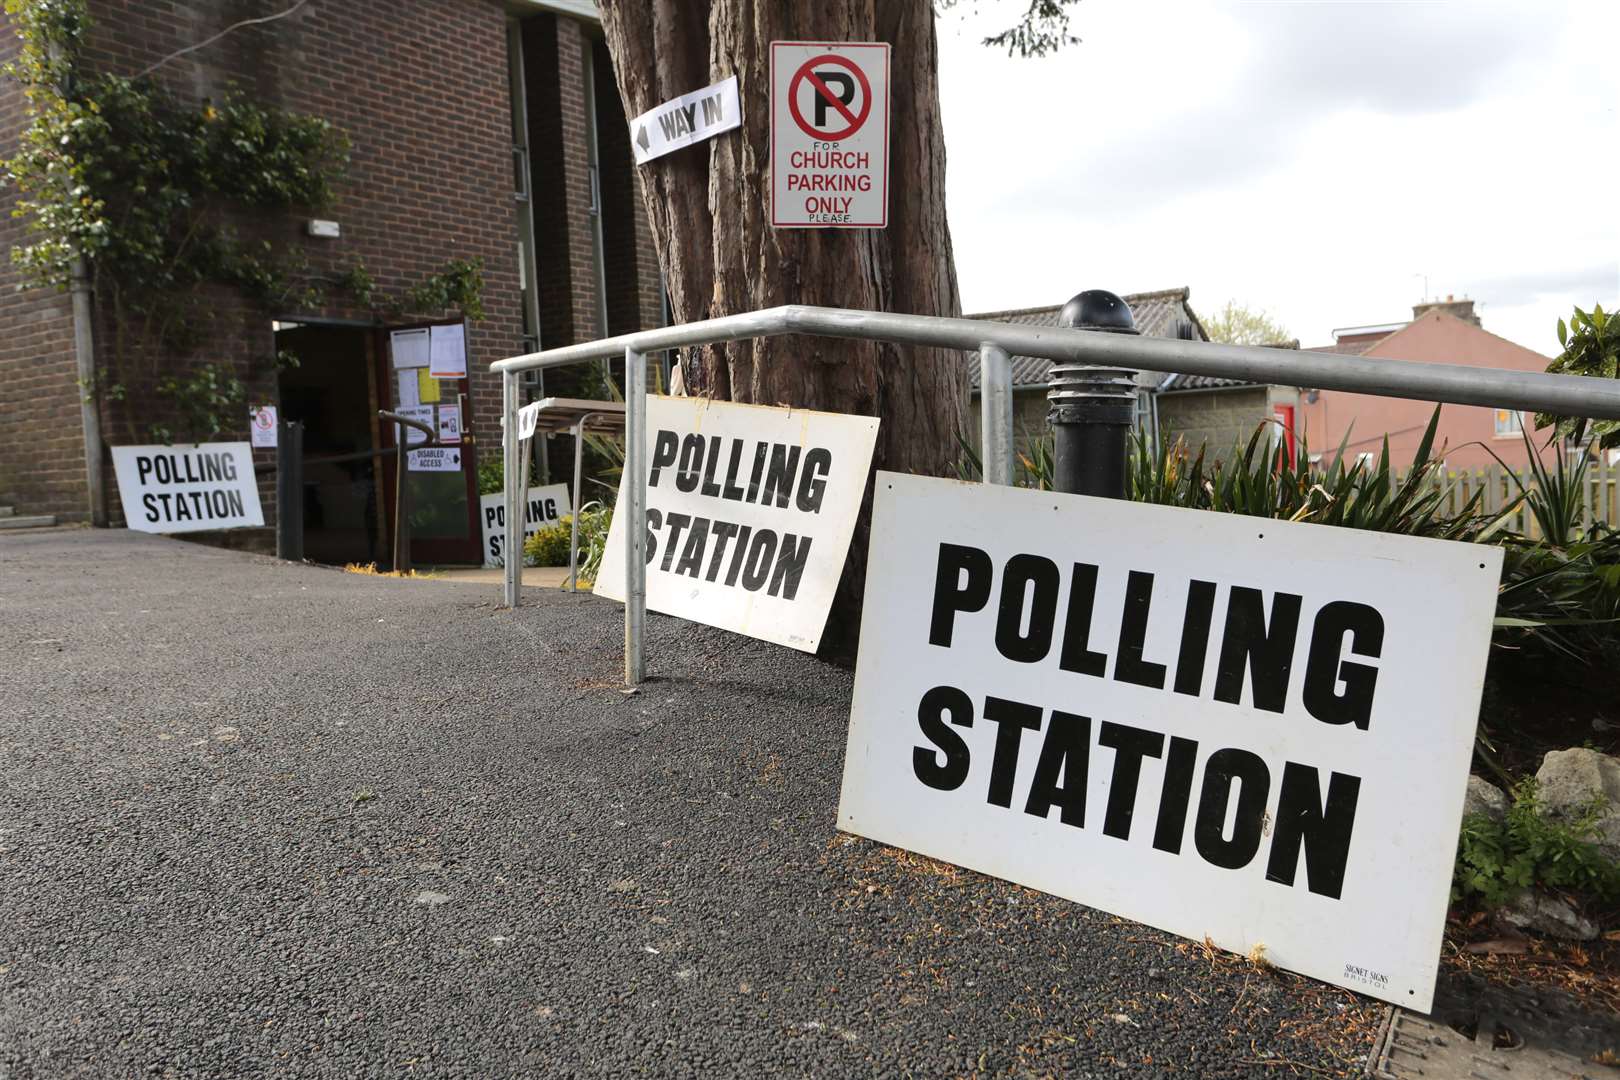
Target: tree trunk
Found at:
x=709, y=207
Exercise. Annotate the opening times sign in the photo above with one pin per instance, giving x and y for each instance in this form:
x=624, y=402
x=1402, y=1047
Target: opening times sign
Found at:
x=829, y=135
x=1219, y=725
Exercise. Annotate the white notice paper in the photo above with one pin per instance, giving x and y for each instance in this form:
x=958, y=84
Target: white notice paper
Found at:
x=422, y=413
x=262, y=422
x=449, y=423
x=408, y=395
x=750, y=511
x=448, y=350
x=1256, y=731
x=410, y=348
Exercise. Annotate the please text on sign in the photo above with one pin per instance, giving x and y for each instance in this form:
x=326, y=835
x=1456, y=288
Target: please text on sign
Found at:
x=1219, y=725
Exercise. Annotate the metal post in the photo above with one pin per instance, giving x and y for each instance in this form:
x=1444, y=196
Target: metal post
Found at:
x=402, y=503
x=513, y=498
x=573, y=527
x=996, y=414
x=84, y=354
x=525, y=449
x=1092, y=407
x=635, y=534
x=290, y=492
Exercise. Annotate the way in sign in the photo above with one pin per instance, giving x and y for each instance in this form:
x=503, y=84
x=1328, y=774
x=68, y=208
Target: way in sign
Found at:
x=687, y=119
x=683, y=121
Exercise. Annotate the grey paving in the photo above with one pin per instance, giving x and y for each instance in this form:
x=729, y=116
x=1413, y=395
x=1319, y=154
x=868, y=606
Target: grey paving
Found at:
x=259, y=819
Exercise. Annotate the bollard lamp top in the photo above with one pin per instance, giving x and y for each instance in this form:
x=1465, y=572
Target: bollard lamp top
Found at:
x=1098, y=309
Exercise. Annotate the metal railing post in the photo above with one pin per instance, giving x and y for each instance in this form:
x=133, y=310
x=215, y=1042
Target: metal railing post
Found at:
x=635, y=533
x=996, y=414
x=1092, y=407
x=512, y=563
x=290, y=492
x=402, y=503
x=573, y=519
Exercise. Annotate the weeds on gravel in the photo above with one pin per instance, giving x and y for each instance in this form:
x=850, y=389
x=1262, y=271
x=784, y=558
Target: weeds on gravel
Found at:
x=370, y=570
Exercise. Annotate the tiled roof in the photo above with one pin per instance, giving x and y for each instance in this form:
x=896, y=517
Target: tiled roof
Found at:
x=1157, y=314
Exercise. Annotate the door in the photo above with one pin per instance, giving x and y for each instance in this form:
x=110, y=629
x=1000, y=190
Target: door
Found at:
x=443, y=500
x=327, y=382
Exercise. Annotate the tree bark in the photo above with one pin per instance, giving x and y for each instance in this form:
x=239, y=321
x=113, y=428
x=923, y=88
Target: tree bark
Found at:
x=709, y=207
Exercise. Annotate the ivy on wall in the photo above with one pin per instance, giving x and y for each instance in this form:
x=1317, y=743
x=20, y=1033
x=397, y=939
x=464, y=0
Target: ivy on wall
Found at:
x=152, y=192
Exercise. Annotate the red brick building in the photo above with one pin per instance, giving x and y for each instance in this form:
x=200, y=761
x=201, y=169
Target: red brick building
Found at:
x=480, y=130
x=1468, y=436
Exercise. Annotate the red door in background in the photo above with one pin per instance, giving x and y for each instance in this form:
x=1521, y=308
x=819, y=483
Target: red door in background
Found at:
x=416, y=373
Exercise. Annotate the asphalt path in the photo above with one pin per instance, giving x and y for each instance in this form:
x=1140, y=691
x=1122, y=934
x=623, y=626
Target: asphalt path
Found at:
x=264, y=819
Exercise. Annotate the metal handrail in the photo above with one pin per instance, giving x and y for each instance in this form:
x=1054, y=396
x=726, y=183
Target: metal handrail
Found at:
x=1568, y=395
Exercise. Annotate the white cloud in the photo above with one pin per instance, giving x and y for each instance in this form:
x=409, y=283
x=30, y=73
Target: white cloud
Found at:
x=1313, y=159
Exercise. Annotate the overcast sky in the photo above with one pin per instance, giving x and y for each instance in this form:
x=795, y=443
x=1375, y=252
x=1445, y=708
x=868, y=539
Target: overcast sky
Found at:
x=1314, y=159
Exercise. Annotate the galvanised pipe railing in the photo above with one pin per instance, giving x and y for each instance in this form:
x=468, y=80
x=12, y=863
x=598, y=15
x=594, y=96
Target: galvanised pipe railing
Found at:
x=1565, y=395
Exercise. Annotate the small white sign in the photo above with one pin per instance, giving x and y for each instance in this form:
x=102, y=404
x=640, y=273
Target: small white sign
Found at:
x=528, y=416
x=829, y=135
x=1216, y=724
x=545, y=506
x=174, y=489
x=690, y=118
x=262, y=424
x=750, y=511
x=420, y=413
x=410, y=348
x=434, y=459
x=447, y=351
x=449, y=423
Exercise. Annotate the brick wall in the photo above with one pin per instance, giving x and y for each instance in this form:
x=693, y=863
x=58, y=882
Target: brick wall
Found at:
x=422, y=91
x=41, y=437
x=554, y=66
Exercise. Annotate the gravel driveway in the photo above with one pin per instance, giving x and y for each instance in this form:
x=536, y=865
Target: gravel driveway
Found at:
x=263, y=819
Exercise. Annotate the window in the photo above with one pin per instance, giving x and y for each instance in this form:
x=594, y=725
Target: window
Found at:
x=1509, y=423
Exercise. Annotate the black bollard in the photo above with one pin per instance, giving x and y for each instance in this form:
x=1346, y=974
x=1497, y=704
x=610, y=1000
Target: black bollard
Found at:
x=290, y=492
x=1092, y=408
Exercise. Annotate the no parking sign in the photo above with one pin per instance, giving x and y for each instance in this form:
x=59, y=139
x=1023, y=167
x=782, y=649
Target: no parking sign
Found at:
x=829, y=135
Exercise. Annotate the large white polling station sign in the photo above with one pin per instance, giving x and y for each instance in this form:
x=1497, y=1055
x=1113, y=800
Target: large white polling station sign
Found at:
x=1219, y=725
x=171, y=489
x=750, y=511
x=544, y=506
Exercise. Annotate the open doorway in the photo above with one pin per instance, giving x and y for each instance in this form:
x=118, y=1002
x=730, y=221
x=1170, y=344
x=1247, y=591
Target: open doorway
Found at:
x=329, y=383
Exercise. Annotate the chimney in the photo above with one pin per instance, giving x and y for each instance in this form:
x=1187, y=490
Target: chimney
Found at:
x=1459, y=309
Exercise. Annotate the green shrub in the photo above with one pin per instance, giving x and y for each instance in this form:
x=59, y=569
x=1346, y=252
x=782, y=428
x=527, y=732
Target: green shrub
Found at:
x=491, y=474
x=549, y=546
x=1497, y=858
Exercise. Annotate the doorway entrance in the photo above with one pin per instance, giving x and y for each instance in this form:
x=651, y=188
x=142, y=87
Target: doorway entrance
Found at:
x=328, y=382
x=342, y=376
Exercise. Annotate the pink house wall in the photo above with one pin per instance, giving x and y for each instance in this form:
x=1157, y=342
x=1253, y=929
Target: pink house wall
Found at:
x=1437, y=338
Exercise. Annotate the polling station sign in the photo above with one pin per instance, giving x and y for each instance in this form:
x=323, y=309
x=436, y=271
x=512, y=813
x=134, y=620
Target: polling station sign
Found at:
x=1218, y=725
x=750, y=511
x=172, y=489
x=544, y=506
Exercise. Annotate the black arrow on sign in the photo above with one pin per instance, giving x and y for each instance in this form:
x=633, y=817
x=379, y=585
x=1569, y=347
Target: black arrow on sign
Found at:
x=641, y=137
